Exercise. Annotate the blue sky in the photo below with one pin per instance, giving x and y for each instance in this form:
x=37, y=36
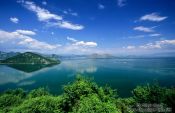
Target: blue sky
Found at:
x=88, y=26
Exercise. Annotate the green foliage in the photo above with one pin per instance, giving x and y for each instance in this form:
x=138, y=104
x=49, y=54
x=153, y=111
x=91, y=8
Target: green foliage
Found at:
x=83, y=96
x=38, y=92
x=11, y=98
x=82, y=87
x=149, y=94
x=43, y=104
x=93, y=104
x=155, y=94
x=124, y=104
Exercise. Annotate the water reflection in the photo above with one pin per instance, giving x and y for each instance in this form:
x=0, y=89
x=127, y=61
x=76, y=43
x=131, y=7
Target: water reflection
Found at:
x=80, y=66
x=28, y=68
x=25, y=83
x=10, y=74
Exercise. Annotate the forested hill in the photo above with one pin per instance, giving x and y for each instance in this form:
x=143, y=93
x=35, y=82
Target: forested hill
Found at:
x=29, y=58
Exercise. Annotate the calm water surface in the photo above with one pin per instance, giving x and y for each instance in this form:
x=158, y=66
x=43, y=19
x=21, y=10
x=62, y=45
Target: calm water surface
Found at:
x=120, y=74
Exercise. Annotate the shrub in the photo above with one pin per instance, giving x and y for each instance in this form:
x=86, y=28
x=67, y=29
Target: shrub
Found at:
x=43, y=104
x=149, y=94
x=11, y=98
x=93, y=104
x=83, y=87
x=38, y=92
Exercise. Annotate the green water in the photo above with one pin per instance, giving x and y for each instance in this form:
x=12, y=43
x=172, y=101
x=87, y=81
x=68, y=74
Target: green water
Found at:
x=120, y=74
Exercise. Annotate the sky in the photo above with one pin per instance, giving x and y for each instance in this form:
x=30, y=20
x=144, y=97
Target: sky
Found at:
x=121, y=27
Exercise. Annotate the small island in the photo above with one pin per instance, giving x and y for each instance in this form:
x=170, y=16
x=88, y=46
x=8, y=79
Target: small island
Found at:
x=29, y=62
x=29, y=58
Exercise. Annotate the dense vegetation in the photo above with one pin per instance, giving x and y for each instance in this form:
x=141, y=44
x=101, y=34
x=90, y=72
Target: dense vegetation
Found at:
x=85, y=96
x=29, y=58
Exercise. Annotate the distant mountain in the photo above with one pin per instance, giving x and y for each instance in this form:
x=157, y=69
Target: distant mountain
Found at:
x=99, y=56
x=29, y=58
x=5, y=55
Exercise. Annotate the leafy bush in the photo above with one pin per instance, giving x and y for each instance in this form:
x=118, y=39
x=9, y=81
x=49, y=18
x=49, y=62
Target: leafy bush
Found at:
x=82, y=87
x=149, y=94
x=11, y=98
x=155, y=94
x=43, y=104
x=124, y=104
x=93, y=104
x=38, y=92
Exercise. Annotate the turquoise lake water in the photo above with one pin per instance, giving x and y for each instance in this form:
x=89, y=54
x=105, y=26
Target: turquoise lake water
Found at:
x=120, y=74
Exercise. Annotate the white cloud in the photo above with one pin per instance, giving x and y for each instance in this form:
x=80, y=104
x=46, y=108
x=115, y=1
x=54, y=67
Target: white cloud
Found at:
x=25, y=32
x=42, y=14
x=71, y=39
x=150, y=46
x=153, y=17
x=68, y=25
x=143, y=36
x=153, y=46
x=144, y=29
x=121, y=3
x=159, y=44
x=155, y=35
x=12, y=40
x=50, y=18
x=85, y=44
x=14, y=20
x=101, y=6
x=82, y=43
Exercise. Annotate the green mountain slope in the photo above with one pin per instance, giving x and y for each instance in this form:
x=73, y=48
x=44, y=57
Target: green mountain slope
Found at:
x=29, y=58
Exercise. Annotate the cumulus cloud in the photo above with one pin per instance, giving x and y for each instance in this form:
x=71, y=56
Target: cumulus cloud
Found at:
x=121, y=3
x=143, y=29
x=14, y=20
x=12, y=40
x=82, y=43
x=101, y=6
x=25, y=32
x=50, y=18
x=155, y=17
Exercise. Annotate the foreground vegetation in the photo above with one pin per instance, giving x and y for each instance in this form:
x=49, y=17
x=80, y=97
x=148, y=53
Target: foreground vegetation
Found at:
x=85, y=96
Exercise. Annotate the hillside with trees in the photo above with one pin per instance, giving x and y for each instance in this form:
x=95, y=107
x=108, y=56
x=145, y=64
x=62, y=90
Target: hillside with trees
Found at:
x=29, y=58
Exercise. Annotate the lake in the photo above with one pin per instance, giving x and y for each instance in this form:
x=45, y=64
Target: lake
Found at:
x=121, y=74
